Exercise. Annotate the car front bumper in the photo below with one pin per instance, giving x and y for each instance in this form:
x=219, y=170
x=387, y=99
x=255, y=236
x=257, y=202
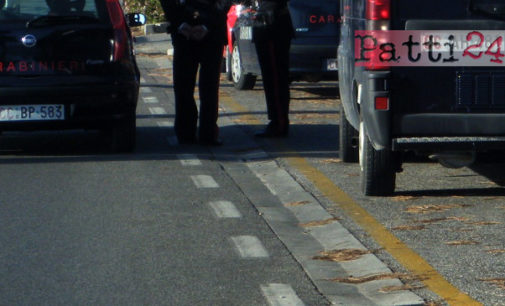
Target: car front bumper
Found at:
x=85, y=106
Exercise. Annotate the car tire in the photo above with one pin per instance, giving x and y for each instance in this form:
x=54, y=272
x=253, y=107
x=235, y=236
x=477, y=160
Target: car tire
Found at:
x=123, y=135
x=241, y=80
x=348, y=137
x=378, y=171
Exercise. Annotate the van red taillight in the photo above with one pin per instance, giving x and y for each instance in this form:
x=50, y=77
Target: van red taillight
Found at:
x=378, y=9
x=119, y=26
x=378, y=15
x=381, y=103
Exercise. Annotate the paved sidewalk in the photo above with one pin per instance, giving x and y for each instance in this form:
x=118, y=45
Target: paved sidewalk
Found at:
x=154, y=44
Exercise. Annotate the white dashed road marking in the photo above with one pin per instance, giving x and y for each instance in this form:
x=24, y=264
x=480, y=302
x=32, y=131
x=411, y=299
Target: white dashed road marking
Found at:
x=267, y=184
x=225, y=209
x=280, y=295
x=189, y=160
x=146, y=90
x=204, y=181
x=150, y=100
x=250, y=247
x=157, y=110
x=165, y=123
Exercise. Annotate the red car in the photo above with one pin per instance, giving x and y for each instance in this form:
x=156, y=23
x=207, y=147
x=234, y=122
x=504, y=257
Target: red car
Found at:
x=232, y=60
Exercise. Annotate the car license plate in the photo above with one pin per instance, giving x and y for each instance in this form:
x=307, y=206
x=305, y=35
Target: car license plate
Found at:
x=32, y=112
x=331, y=64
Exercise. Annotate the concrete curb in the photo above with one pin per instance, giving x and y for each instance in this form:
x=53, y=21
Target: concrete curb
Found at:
x=159, y=43
x=272, y=198
x=329, y=236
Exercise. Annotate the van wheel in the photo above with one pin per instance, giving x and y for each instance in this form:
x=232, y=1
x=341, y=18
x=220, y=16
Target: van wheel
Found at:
x=348, y=138
x=378, y=171
x=240, y=80
x=123, y=135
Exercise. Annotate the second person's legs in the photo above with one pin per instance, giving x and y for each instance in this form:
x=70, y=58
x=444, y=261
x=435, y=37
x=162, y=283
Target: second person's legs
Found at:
x=208, y=84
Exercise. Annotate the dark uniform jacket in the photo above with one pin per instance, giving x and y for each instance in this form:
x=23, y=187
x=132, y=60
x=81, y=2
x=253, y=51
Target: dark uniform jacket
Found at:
x=211, y=13
x=274, y=14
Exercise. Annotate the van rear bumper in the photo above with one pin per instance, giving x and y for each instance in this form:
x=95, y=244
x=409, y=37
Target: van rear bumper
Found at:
x=450, y=132
x=452, y=144
x=416, y=130
x=449, y=125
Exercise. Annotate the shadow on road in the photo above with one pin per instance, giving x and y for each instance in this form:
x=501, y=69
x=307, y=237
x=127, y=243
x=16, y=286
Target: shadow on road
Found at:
x=476, y=192
x=492, y=167
x=325, y=92
x=153, y=144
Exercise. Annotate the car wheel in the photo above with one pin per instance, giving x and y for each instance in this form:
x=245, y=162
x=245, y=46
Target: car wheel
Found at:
x=378, y=172
x=348, y=137
x=123, y=135
x=240, y=79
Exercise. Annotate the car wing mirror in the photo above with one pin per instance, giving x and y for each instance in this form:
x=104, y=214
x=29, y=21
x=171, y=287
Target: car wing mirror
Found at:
x=135, y=19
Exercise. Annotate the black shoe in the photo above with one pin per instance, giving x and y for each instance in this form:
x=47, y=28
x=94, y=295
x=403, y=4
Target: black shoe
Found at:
x=211, y=142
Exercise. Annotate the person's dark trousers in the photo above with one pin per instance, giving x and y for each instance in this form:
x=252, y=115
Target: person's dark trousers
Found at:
x=273, y=55
x=188, y=57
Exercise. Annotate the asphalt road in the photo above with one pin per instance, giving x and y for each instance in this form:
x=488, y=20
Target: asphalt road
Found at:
x=131, y=231
x=165, y=225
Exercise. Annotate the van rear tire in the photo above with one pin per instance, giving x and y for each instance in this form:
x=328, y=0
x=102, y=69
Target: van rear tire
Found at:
x=348, y=136
x=378, y=171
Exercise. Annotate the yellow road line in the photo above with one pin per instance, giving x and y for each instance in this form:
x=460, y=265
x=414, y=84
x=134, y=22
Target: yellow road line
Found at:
x=394, y=246
x=389, y=242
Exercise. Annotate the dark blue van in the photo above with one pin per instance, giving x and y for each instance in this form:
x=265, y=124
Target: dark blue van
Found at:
x=437, y=86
